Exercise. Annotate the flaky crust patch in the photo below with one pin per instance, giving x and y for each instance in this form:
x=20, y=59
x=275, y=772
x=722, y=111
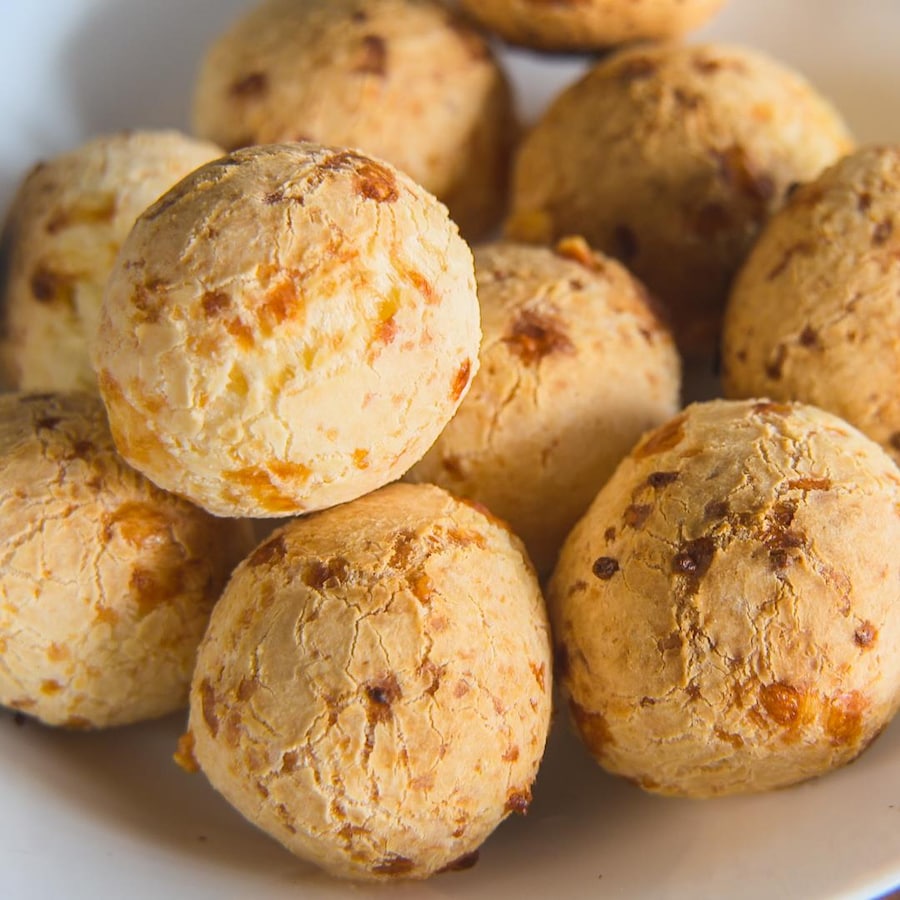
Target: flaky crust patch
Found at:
x=671, y=158
x=725, y=613
x=589, y=24
x=288, y=328
x=815, y=311
x=374, y=688
x=409, y=81
x=63, y=231
x=575, y=366
x=106, y=582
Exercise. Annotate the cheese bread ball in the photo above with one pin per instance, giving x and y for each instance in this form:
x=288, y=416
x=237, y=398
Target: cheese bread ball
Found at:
x=575, y=366
x=405, y=80
x=374, y=688
x=288, y=328
x=726, y=612
x=671, y=158
x=106, y=582
x=65, y=226
x=815, y=312
x=588, y=24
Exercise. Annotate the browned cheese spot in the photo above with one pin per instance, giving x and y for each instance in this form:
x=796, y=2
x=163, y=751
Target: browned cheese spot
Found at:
x=106, y=616
x=376, y=182
x=663, y=438
x=331, y=573
x=636, y=515
x=511, y=754
x=518, y=801
x=139, y=524
x=539, y=672
x=461, y=380
x=693, y=560
x=289, y=760
x=153, y=588
x=844, y=719
x=208, y=706
x=58, y=652
x=637, y=68
x=214, y=302
x=737, y=173
x=605, y=567
x=728, y=737
x=593, y=727
x=279, y=304
x=258, y=482
x=882, y=232
x=49, y=286
x=809, y=337
x=866, y=635
x=50, y=687
x=810, y=483
x=534, y=336
x=610, y=534
x=381, y=693
x=246, y=689
x=184, y=754
x=250, y=87
x=372, y=58
x=781, y=702
x=241, y=332
x=361, y=458
x=423, y=286
x=272, y=551
x=578, y=250
x=393, y=864
x=466, y=861
x=661, y=479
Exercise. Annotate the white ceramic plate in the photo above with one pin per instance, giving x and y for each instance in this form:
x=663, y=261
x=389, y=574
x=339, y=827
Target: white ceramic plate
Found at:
x=106, y=816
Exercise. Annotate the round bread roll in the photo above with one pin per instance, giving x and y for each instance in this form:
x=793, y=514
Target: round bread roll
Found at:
x=374, y=687
x=405, y=80
x=588, y=24
x=290, y=327
x=575, y=366
x=671, y=158
x=106, y=582
x=815, y=312
x=65, y=226
x=726, y=612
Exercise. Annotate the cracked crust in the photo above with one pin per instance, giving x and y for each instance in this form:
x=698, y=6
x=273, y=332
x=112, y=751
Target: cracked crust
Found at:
x=574, y=366
x=671, y=158
x=815, y=311
x=64, y=229
x=589, y=24
x=288, y=328
x=742, y=632
x=406, y=80
x=374, y=688
x=106, y=582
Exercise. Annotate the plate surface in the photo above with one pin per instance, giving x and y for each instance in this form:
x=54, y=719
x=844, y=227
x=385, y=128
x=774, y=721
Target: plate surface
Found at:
x=105, y=816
